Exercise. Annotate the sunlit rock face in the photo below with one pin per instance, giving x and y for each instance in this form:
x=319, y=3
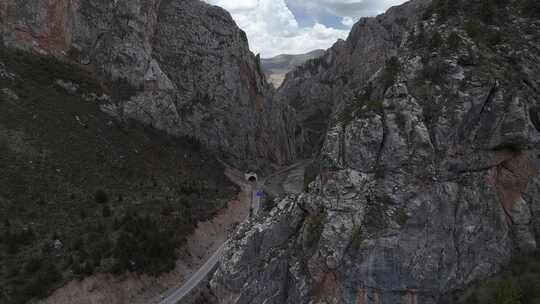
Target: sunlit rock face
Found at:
x=180, y=66
x=428, y=177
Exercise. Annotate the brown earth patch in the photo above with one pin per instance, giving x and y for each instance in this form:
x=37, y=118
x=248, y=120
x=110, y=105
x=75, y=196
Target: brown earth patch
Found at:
x=511, y=177
x=328, y=288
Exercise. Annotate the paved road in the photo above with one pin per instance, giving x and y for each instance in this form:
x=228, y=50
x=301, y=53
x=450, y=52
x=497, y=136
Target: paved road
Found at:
x=178, y=295
x=252, y=188
x=196, y=279
x=255, y=201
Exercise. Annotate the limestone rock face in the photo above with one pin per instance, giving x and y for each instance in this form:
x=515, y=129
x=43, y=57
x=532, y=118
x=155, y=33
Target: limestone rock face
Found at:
x=429, y=169
x=316, y=88
x=181, y=66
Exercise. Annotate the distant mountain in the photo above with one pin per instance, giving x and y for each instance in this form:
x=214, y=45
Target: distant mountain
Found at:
x=275, y=68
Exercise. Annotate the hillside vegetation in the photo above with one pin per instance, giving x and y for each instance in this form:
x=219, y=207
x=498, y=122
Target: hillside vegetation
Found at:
x=82, y=193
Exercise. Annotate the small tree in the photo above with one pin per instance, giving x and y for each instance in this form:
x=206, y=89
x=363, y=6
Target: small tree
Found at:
x=473, y=29
x=454, y=41
x=88, y=268
x=391, y=70
x=13, y=247
x=508, y=292
x=33, y=265
x=532, y=8
x=269, y=202
x=3, y=146
x=106, y=211
x=101, y=197
x=435, y=42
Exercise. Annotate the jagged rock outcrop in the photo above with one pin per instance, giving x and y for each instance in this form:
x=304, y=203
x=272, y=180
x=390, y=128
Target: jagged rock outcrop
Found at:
x=429, y=169
x=317, y=87
x=181, y=66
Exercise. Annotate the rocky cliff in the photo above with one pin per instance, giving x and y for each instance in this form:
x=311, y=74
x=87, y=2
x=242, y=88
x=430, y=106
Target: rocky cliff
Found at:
x=424, y=126
x=180, y=66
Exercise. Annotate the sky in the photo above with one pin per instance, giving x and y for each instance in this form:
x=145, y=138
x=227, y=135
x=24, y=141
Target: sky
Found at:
x=278, y=27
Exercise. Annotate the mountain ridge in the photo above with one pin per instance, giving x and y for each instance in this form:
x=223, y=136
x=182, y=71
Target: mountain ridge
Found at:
x=421, y=127
x=277, y=67
x=178, y=81
x=420, y=134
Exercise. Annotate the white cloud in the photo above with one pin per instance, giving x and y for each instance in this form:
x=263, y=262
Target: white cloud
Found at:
x=272, y=28
x=235, y=6
x=348, y=21
x=349, y=8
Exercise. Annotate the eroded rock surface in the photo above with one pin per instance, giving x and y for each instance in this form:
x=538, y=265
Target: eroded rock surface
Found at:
x=429, y=168
x=181, y=66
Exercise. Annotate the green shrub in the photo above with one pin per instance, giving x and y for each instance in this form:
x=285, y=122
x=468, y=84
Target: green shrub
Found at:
x=531, y=8
x=33, y=265
x=489, y=11
x=310, y=174
x=167, y=211
x=43, y=69
x=269, y=202
x=14, y=240
x=434, y=71
x=106, y=212
x=122, y=89
x=145, y=245
x=401, y=216
x=358, y=109
x=194, y=143
x=3, y=146
x=494, y=38
x=101, y=197
x=518, y=284
x=190, y=186
x=88, y=268
x=454, y=41
x=391, y=70
x=445, y=9
x=508, y=292
x=39, y=285
x=435, y=42
x=418, y=40
x=528, y=283
x=375, y=219
x=473, y=29
x=314, y=225
x=356, y=239
x=345, y=118
x=362, y=105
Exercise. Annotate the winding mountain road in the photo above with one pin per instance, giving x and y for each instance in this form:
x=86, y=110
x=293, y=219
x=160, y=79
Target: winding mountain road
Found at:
x=179, y=294
x=252, y=189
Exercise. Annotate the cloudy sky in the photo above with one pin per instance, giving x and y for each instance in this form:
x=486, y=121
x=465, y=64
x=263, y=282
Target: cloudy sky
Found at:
x=298, y=26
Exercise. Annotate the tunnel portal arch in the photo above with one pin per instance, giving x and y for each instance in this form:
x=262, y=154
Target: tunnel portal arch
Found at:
x=251, y=177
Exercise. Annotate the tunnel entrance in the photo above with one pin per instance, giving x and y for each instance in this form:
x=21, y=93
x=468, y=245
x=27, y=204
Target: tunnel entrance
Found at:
x=251, y=177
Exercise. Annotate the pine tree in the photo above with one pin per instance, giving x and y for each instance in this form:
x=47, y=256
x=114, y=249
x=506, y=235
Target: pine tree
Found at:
x=508, y=292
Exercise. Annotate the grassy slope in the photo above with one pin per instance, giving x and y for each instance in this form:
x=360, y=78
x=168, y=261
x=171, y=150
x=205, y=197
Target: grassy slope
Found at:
x=57, y=151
